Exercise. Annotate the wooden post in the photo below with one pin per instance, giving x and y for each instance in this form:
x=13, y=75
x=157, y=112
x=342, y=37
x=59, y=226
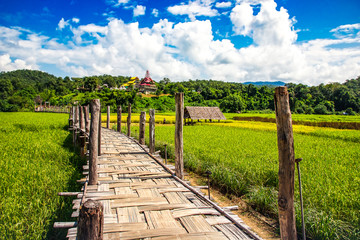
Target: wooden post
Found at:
x=94, y=138
x=179, y=161
x=99, y=135
x=76, y=115
x=87, y=122
x=91, y=221
x=71, y=118
x=82, y=131
x=142, y=128
x=82, y=118
x=286, y=164
x=129, y=121
x=152, y=131
x=108, y=117
x=119, y=118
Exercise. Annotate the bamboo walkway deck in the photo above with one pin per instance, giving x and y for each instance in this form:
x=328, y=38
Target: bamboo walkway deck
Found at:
x=142, y=199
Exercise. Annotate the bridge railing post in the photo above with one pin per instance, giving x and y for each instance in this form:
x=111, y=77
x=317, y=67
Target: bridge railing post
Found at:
x=142, y=128
x=108, y=117
x=99, y=131
x=75, y=125
x=119, y=118
x=94, y=138
x=152, y=131
x=129, y=121
x=91, y=221
x=82, y=131
x=179, y=161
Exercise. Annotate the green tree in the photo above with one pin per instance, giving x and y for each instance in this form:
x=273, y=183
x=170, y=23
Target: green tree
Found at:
x=233, y=103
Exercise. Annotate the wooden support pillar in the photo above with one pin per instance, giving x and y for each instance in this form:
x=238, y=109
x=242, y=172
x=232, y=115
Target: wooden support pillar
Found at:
x=129, y=121
x=179, y=161
x=108, y=117
x=82, y=139
x=71, y=118
x=75, y=126
x=81, y=120
x=87, y=120
x=91, y=221
x=94, y=138
x=152, y=131
x=142, y=128
x=286, y=164
x=119, y=118
x=99, y=135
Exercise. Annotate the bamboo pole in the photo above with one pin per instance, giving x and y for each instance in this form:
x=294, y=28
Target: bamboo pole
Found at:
x=108, y=117
x=91, y=221
x=286, y=164
x=142, y=128
x=152, y=131
x=94, y=137
x=119, y=118
x=129, y=121
x=179, y=161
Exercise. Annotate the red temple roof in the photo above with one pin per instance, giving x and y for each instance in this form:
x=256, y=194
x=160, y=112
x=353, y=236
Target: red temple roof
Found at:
x=147, y=80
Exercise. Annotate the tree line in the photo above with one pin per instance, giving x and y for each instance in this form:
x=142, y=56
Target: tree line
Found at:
x=20, y=88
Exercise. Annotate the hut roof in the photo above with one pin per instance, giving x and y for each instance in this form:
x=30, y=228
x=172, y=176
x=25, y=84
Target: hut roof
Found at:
x=204, y=113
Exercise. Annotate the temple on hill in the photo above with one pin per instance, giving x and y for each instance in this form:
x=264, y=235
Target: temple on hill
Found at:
x=147, y=85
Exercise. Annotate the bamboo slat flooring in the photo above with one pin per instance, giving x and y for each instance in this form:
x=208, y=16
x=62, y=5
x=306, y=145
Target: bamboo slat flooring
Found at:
x=142, y=200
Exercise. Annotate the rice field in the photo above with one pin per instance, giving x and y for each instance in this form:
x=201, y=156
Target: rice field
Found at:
x=36, y=162
x=243, y=159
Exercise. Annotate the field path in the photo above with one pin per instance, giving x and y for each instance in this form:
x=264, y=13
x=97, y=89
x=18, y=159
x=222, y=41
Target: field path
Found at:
x=143, y=199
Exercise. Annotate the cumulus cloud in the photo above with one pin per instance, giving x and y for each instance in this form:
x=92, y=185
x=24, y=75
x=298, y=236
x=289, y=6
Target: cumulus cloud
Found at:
x=155, y=12
x=188, y=50
x=117, y=3
x=75, y=20
x=223, y=4
x=194, y=9
x=6, y=64
x=348, y=30
x=62, y=24
x=268, y=27
x=139, y=10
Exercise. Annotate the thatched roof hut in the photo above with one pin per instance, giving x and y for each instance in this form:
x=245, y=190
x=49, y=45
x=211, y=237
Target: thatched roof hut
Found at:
x=198, y=113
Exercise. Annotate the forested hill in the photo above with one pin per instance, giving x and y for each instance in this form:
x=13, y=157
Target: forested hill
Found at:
x=19, y=88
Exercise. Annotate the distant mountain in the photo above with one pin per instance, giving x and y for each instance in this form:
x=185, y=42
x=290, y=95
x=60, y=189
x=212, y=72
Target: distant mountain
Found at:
x=265, y=83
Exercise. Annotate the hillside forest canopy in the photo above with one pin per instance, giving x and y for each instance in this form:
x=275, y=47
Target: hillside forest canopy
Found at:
x=20, y=88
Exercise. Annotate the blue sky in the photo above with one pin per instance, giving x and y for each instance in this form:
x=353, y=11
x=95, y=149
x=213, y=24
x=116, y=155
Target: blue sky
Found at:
x=308, y=42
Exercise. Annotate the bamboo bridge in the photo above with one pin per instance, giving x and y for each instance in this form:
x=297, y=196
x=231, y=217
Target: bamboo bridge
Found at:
x=136, y=195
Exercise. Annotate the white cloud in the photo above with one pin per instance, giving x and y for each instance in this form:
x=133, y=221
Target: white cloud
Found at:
x=62, y=24
x=117, y=3
x=155, y=12
x=139, y=10
x=75, y=20
x=194, y=9
x=223, y=4
x=268, y=27
x=348, y=30
x=122, y=1
x=7, y=65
